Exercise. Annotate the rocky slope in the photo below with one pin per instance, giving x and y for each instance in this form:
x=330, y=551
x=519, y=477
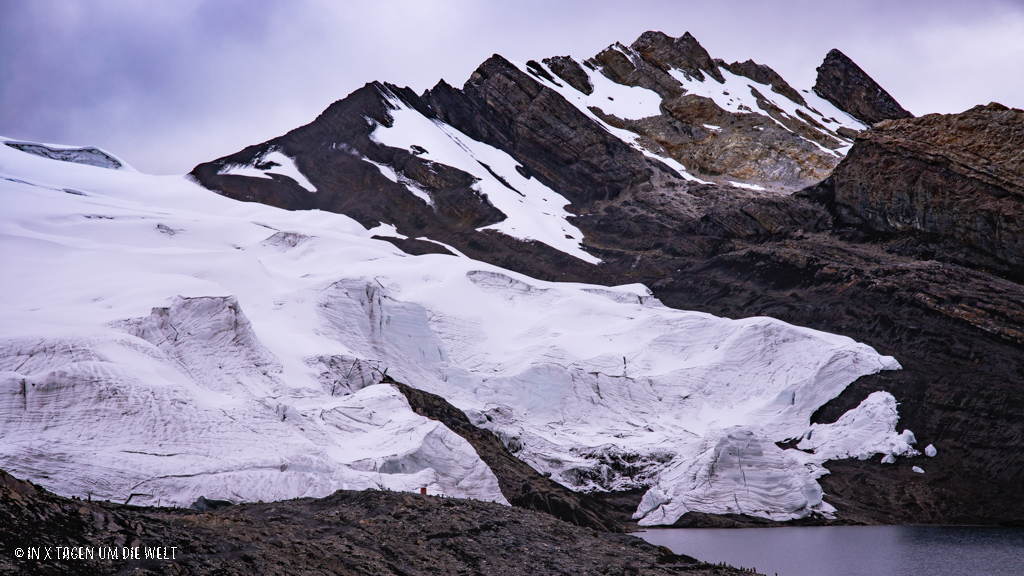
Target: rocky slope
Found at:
x=881, y=251
x=357, y=533
x=725, y=122
x=955, y=179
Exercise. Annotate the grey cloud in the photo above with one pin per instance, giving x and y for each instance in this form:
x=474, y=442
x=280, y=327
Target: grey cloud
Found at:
x=167, y=85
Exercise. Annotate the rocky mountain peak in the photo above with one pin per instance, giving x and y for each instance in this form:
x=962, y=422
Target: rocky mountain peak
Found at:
x=843, y=83
x=683, y=53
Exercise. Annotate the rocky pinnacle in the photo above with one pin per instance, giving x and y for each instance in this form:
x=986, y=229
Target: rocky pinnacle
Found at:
x=843, y=83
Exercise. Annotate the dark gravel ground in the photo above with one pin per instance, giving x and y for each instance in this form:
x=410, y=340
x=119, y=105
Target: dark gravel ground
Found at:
x=356, y=533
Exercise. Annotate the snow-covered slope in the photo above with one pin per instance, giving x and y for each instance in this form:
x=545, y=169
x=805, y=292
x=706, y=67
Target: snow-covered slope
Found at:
x=160, y=340
x=532, y=210
x=273, y=163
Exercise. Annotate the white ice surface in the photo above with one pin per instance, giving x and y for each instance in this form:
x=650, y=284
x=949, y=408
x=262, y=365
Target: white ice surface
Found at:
x=162, y=339
x=286, y=167
x=533, y=211
x=101, y=395
x=868, y=429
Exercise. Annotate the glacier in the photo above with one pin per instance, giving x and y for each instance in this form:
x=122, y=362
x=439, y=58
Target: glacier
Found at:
x=159, y=342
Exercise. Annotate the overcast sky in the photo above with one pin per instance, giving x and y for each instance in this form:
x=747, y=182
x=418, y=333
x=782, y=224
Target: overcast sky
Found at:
x=166, y=85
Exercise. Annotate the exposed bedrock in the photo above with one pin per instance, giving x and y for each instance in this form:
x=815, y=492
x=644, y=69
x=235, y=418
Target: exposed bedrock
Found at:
x=503, y=106
x=843, y=83
x=956, y=178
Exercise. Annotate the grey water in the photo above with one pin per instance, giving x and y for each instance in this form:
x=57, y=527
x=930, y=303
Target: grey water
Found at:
x=854, y=550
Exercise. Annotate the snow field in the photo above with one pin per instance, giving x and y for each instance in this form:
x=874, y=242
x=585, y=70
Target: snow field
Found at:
x=163, y=340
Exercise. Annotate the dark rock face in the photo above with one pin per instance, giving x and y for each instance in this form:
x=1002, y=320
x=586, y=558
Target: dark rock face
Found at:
x=958, y=178
x=569, y=70
x=347, y=183
x=346, y=533
x=843, y=83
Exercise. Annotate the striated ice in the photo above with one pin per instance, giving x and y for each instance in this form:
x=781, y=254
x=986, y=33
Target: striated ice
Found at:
x=190, y=404
x=868, y=429
x=89, y=155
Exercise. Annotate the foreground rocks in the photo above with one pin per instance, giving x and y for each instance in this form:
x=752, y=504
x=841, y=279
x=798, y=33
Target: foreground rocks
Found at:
x=357, y=533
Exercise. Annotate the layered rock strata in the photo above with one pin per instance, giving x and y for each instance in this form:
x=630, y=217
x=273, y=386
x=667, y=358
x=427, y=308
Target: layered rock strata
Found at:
x=956, y=178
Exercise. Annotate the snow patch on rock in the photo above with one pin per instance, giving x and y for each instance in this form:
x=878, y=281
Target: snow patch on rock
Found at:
x=271, y=163
x=636, y=103
x=533, y=211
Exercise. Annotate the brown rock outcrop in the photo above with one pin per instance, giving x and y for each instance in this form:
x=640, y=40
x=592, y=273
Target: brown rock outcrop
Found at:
x=765, y=145
x=764, y=75
x=958, y=178
x=569, y=70
x=683, y=53
x=843, y=83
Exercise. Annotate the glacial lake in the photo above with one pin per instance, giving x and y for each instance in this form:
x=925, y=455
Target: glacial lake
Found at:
x=854, y=550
